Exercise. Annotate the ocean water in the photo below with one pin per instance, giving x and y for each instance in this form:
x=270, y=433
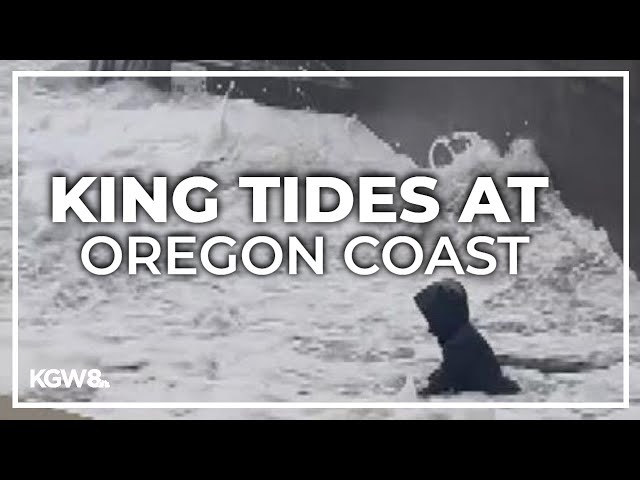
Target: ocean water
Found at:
x=337, y=337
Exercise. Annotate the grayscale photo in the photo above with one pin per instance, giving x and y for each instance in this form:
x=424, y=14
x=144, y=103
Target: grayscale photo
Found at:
x=389, y=237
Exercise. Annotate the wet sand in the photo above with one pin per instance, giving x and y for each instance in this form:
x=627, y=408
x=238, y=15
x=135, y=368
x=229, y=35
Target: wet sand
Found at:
x=8, y=413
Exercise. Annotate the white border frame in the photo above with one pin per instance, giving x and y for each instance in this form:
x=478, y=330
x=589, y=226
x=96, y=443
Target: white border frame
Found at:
x=319, y=405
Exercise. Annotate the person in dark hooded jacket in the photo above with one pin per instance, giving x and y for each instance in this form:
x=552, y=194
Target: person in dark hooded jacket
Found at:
x=468, y=362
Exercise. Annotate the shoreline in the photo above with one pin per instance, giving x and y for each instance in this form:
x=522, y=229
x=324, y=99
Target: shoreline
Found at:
x=8, y=413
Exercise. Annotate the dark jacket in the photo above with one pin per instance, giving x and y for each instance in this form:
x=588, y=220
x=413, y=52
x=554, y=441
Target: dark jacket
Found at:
x=468, y=362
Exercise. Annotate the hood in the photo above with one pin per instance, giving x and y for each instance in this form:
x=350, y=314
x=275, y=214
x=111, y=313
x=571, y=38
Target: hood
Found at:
x=444, y=306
